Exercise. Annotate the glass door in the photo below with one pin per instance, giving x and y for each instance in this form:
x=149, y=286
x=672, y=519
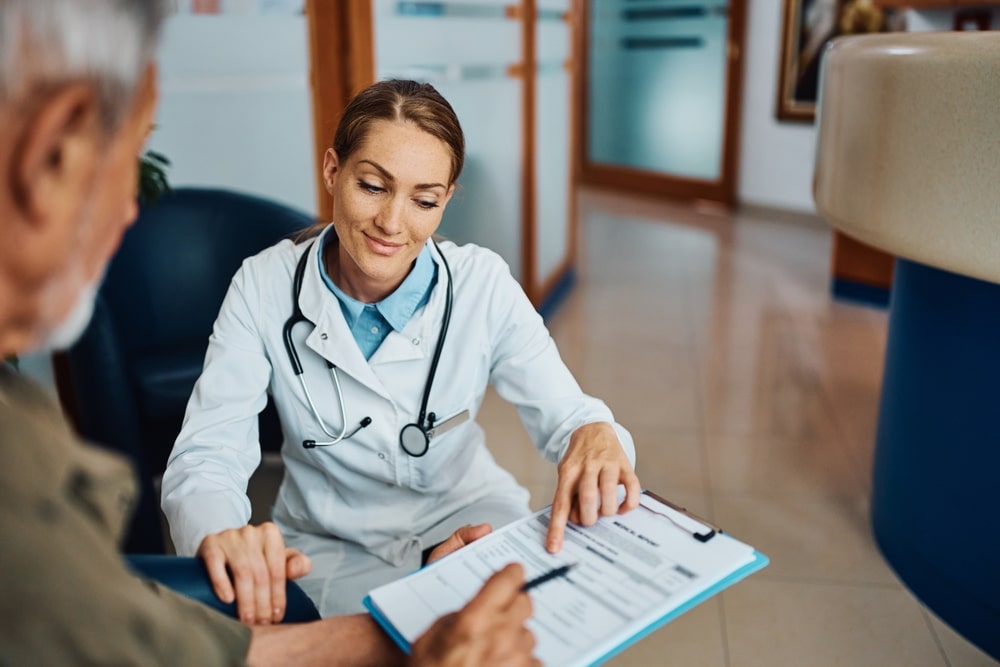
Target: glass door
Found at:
x=467, y=50
x=661, y=96
x=508, y=69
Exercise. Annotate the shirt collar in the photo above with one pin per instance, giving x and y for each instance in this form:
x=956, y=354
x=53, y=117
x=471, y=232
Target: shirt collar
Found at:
x=398, y=307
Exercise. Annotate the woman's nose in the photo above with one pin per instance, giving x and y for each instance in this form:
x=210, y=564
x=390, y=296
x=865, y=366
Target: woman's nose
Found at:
x=390, y=217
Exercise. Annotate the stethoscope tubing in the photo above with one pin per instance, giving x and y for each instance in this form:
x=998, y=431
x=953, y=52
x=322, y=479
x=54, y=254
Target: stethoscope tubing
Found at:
x=424, y=423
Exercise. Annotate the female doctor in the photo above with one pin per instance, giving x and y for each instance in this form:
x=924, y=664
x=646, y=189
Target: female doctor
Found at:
x=377, y=345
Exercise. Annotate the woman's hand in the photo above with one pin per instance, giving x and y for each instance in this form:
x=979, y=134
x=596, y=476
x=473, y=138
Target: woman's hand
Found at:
x=260, y=563
x=490, y=630
x=462, y=537
x=589, y=475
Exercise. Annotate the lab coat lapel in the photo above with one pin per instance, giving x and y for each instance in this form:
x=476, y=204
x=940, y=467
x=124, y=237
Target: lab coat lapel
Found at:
x=420, y=335
x=331, y=338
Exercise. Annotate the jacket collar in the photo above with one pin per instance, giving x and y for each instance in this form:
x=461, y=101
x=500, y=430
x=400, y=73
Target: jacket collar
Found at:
x=398, y=307
x=332, y=339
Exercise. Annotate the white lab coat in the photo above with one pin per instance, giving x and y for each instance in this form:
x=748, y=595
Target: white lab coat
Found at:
x=366, y=489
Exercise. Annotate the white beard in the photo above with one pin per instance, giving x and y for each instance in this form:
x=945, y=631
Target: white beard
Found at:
x=64, y=334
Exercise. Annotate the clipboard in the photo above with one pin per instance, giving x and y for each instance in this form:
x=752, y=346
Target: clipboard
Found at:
x=640, y=571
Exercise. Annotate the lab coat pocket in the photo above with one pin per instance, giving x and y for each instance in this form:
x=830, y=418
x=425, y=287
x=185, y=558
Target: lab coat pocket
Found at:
x=455, y=437
x=447, y=456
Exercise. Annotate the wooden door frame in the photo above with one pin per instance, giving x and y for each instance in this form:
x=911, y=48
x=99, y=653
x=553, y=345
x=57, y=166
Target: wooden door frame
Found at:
x=655, y=183
x=342, y=57
x=527, y=13
x=541, y=288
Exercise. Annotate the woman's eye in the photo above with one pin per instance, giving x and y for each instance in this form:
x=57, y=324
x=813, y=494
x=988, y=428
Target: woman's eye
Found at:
x=368, y=187
x=426, y=205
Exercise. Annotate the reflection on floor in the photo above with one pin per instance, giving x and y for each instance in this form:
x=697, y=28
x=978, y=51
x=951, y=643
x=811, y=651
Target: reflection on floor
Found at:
x=752, y=397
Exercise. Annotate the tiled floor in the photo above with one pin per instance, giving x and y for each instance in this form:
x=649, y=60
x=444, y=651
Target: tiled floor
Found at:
x=752, y=397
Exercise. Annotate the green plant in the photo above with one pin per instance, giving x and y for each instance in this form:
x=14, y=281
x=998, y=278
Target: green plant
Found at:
x=152, y=177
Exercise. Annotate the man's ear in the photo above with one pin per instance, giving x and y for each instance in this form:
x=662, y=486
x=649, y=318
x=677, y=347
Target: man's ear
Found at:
x=57, y=155
x=331, y=164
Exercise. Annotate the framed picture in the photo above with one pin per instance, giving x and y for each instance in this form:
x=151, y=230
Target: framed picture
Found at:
x=972, y=19
x=807, y=28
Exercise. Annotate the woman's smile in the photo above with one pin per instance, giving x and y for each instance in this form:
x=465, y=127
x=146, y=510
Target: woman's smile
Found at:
x=382, y=247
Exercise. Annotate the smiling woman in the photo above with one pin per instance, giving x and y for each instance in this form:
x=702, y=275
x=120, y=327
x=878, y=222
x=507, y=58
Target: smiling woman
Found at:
x=378, y=396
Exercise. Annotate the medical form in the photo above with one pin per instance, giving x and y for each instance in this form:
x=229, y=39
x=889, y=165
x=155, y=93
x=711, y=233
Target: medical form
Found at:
x=632, y=573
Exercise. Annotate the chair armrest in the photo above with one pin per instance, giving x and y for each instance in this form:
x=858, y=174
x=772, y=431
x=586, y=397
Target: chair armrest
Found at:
x=189, y=577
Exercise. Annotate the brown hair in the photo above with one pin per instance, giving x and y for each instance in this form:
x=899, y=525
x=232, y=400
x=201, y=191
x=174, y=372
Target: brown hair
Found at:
x=403, y=101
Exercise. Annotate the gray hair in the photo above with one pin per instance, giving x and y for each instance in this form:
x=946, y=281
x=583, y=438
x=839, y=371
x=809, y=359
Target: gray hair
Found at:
x=48, y=43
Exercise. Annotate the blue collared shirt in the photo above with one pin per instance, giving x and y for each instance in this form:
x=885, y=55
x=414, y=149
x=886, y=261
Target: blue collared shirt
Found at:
x=370, y=323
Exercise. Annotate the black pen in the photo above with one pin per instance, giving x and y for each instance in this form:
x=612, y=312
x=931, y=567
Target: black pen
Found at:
x=548, y=576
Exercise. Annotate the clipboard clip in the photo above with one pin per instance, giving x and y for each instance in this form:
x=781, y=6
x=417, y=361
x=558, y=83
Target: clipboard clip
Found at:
x=704, y=536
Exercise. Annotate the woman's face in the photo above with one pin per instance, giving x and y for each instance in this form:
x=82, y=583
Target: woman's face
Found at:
x=388, y=198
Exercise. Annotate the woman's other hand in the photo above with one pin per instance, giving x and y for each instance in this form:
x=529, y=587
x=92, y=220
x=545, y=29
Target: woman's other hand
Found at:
x=589, y=474
x=462, y=537
x=259, y=564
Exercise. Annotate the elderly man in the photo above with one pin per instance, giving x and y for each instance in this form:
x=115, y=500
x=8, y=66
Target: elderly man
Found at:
x=77, y=96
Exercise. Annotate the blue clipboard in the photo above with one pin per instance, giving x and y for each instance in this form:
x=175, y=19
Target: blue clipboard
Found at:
x=707, y=532
x=759, y=562
x=389, y=628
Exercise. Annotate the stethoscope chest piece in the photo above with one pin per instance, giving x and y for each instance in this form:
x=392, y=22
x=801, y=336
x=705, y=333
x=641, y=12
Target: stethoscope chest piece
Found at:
x=414, y=440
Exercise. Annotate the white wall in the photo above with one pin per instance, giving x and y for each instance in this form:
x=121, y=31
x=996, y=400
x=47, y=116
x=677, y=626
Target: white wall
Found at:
x=776, y=158
x=235, y=105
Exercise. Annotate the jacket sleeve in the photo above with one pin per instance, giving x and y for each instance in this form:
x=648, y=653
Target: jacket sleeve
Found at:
x=66, y=598
x=527, y=371
x=218, y=448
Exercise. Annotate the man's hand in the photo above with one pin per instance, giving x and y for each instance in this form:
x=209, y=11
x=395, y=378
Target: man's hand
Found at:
x=462, y=537
x=259, y=563
x=589, y=475
x=490, y=629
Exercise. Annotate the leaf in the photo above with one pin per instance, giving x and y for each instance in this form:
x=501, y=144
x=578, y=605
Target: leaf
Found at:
x=152, y=177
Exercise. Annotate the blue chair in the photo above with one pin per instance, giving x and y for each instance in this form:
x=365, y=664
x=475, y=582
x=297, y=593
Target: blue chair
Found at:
x=189, y=577
x=127, y=381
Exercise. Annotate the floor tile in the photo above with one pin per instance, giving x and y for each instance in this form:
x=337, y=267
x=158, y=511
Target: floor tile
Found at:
x=693, y=640
x=957, y=649
x=809, y=538
x=766, y=465
x=780, y=624
x=669, y=463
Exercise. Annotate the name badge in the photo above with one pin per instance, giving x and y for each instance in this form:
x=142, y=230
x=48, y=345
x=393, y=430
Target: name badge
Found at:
x=446, y=425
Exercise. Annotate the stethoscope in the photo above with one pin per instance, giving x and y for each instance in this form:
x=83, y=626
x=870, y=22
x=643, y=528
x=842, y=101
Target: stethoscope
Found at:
x=415, y=437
